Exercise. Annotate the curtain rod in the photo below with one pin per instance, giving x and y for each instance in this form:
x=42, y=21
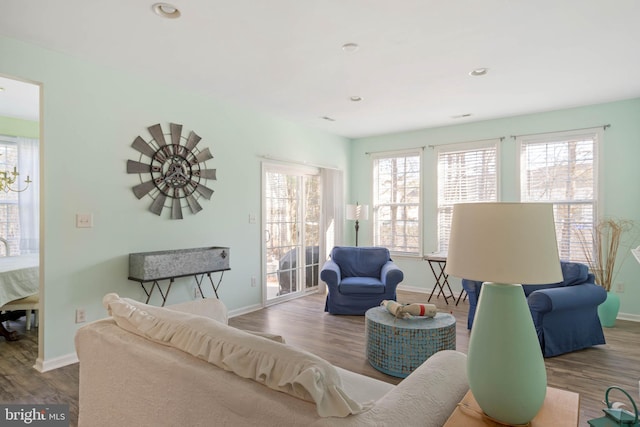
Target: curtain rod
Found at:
x=501, y=138
x=297, y=162
x=368, y=153
x=604, y=127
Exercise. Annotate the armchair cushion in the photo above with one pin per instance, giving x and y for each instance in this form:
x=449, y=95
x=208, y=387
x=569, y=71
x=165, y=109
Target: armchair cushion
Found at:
x=360, y=263
x=361, y=285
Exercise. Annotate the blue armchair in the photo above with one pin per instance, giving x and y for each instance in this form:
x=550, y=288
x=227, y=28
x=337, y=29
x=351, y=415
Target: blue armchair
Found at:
x=359, y=278
x=565, y=314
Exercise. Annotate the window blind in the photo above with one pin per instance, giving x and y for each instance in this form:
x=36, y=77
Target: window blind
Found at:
x=464, y=175
x=561, y=169
x=396, y=202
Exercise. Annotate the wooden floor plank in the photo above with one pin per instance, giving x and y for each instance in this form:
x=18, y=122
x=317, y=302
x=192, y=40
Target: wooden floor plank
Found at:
x=340, y=340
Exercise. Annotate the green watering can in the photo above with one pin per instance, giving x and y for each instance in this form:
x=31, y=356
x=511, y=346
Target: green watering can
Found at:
x=615, y=417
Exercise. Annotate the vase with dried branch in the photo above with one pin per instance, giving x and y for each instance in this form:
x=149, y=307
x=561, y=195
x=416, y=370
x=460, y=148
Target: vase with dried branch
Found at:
x=601, y=251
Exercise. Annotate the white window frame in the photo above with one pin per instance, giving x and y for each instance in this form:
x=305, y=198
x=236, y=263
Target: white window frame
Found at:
x=415, y=152
x=597, y=134
x=461, y=147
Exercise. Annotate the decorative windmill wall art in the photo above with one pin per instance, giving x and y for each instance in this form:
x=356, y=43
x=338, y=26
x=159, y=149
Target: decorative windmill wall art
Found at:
x=173, y=174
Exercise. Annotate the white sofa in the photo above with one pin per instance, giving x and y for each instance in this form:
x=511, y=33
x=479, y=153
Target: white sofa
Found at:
x=139, y=368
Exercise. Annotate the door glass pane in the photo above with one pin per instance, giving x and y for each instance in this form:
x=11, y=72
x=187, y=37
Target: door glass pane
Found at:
x=292, y=232
x=282, y=232
x=312, y=230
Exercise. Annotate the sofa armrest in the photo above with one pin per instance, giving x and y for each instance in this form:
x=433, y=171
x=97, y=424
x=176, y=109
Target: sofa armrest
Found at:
x=473, y=288
x=330, y=273
x=566, y=297
x=391, y=274
x=427, y=397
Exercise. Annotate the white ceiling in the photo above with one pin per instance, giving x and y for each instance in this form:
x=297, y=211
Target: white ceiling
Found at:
x=285, y=56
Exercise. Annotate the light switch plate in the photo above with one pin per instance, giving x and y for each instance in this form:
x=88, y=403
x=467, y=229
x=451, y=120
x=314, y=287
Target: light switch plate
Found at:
x=84, y=220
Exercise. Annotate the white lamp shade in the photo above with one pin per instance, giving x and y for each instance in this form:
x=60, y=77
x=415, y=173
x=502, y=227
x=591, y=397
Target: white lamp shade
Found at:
x=504, y=243
x=357, y=212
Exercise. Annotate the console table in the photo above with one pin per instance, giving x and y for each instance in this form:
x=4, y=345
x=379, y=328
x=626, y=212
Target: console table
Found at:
x=153, y=267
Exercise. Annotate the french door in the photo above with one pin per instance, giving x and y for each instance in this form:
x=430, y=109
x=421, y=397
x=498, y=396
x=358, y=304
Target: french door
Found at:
x=292, y=206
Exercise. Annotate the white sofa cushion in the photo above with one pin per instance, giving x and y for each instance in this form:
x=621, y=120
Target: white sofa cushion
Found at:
x=278, y=366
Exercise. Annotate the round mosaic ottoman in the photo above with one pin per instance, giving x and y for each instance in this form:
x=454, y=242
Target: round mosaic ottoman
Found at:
x=398, y=346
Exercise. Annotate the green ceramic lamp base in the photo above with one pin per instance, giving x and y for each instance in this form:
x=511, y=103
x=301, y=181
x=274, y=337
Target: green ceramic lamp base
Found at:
x=505, y=366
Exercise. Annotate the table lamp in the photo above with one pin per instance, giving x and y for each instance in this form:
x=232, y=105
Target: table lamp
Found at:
x=357, y=212
x=505, y=245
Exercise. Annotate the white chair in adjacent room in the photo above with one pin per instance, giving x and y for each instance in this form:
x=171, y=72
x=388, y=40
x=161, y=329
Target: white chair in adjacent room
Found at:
x=29, y=304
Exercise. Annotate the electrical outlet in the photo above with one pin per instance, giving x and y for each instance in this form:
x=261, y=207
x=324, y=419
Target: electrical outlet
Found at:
x=620, y=287
x=81, y=315
x=253, y=281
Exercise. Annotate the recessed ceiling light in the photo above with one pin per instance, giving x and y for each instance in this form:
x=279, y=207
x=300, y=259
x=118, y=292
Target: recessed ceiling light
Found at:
x=355, y=98
x=479, y=72
x=166, y=10
x=350, y=47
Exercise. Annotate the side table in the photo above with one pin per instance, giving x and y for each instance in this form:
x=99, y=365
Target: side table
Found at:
x=561, y=408
x=398, y=346
x=442, y=279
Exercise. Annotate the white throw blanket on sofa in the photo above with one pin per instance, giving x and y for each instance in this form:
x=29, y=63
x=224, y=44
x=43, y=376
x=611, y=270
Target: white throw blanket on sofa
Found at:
x=276, y=365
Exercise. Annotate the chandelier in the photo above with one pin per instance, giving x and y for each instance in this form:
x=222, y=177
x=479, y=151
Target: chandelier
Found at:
x=7, y=179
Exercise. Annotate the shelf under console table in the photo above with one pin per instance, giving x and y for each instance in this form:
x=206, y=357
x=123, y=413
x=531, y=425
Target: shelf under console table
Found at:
x=154, y=267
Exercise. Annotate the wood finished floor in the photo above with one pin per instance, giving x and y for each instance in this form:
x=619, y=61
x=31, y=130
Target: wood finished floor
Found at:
x=340, y=340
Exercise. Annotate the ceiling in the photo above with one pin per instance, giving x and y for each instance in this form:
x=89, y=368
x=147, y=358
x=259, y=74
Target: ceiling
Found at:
x=411, y=69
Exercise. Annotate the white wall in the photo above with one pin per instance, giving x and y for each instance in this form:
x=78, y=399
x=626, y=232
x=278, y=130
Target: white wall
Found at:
x=91, y=115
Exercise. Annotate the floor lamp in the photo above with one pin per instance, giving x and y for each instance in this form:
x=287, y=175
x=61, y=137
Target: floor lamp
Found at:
x=357, y=212
x=503, y=244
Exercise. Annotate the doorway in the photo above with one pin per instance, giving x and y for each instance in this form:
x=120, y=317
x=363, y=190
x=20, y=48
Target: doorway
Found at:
x=20, y=228
x=291, y=228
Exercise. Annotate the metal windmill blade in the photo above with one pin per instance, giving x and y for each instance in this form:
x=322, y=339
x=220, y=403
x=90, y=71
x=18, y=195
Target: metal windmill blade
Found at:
x=203, y=156
x=156, y=133
x=143, y=147
x=192, y=140
x=176, y=209
x=206, y=173
x=194, y=206
x=143, y=189
x=138, y=167
x=158, y=204
x=176, y=131
x=205, y=191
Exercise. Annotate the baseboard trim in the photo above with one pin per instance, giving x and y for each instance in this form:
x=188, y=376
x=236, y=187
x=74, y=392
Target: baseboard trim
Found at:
x=244, y=310
x=413, y=289
x=630, y=317
x=55, y=363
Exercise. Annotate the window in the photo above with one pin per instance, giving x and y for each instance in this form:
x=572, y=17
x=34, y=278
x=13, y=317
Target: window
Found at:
x=466, y=173
x=561, y=169
x=397, y=193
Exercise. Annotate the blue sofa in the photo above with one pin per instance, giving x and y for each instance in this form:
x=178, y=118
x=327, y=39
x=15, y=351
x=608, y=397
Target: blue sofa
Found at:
x=565, y=314
x=359, y=278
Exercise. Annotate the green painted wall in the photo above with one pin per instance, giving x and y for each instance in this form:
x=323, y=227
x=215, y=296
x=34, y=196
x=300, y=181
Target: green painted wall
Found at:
x=91, y=116
x=19, y=127
x=619, y=175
